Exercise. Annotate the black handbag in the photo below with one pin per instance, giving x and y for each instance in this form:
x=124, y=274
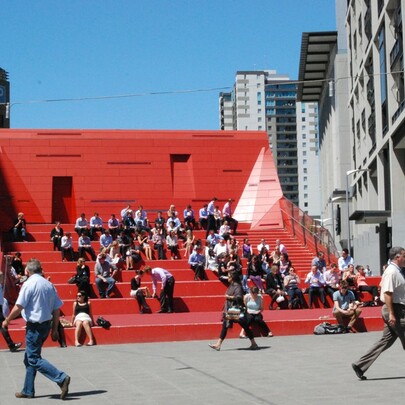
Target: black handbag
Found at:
x=72, y=280
x=103, y=322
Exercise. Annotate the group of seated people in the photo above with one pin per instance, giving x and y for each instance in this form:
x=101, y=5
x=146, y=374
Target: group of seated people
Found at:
x=135, y=233
x=322, y=281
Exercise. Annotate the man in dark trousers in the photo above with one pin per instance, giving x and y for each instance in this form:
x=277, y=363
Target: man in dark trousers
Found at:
x=166, y=290
x=393, y=311
x=4, y=331
x=211, y=224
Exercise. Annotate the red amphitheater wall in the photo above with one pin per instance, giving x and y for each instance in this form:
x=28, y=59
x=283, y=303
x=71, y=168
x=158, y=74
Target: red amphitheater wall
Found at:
x=57, y=174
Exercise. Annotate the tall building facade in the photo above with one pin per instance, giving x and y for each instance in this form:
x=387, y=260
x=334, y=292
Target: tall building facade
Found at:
x=308, y=160
x=359, y=84
x=4, y=99
x=377, y=124
x=265, y=101
x=323, y=60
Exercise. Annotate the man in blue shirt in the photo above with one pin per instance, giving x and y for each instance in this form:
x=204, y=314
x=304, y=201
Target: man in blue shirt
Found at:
x=40, y=305
x=319, y=262
x=197, y=264
x=203, y=217
x=316, y=285
x=345, y=306
x=96, y=225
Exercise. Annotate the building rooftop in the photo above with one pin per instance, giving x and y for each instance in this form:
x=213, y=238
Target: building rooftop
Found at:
x=316, y=48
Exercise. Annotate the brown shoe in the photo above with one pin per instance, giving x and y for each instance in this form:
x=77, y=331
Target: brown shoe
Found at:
x=65, y=387
x=22, y=395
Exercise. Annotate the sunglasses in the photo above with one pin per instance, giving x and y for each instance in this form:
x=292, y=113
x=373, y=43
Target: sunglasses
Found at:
x=79, y=295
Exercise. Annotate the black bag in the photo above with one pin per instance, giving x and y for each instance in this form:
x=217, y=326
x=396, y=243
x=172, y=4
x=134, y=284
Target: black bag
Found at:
x=103, y=322
x=326, y=328
x=72, y=280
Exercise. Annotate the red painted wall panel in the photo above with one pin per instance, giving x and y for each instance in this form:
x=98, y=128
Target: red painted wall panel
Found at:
x=109, y=168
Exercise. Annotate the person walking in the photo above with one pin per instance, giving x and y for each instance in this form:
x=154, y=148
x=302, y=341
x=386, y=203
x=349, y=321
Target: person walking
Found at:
x=40, y=305
x=4, y=331
x=393, y=311
x=234, y=298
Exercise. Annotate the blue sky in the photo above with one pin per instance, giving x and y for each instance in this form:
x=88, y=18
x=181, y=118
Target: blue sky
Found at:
x=56, y=49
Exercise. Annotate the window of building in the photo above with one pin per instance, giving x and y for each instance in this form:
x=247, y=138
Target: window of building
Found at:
x=304, y=144
x=259, y=119
x=259, y=98
x=304, y=161
x=305, y=170
x=383, y=79
x=305, y=204
x=259, y=128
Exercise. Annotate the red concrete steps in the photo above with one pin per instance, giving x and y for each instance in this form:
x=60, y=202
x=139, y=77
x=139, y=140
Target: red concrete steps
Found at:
x=61, y=277
x=199, y=325
x=128, y=305
x=182, y=289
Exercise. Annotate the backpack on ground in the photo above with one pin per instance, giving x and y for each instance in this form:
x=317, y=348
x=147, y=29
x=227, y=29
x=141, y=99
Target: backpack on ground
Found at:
x=325, y=328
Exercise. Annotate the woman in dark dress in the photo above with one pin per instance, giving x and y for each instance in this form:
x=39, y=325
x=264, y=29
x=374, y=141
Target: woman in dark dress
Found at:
x=234, y=298
x=139, y=293
x=56, y=235
x=83, y=276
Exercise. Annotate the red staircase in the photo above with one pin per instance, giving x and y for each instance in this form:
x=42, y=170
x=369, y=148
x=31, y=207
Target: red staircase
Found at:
x=197, y=304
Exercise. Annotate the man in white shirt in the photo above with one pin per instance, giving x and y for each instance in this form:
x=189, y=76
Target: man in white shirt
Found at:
x=227, y=215
x=344, y=260
x=393, y=312
x=262, y=245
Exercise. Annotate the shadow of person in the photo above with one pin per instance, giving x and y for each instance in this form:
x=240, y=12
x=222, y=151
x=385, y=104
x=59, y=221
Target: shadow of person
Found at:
x=75, y=395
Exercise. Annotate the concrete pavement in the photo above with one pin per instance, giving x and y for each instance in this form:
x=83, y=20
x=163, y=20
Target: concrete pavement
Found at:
x=304, y=369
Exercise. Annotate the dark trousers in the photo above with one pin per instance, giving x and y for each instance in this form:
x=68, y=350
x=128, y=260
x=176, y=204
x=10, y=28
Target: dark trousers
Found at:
x=330, y=290
x=295, y=292
x=189, y=223
x=226, y=324
x=199, y=272
x=166, y=295
x=389, y=336
x=258, y=320
x=316, y=291
x=140, y=297
x=160, y=251
x=56, y=243
x=89, y=250
x=4, y=331
x=203, y=223
x=212, y=224
x=69, y=252
x=372, y=289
